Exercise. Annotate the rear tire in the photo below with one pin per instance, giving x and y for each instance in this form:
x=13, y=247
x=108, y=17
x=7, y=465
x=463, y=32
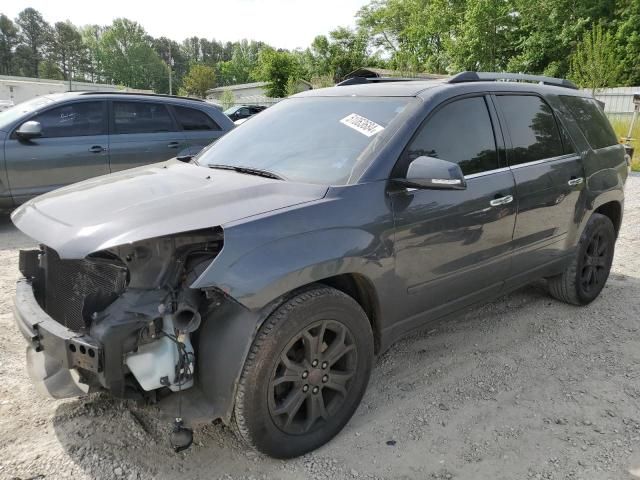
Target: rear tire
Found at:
x=586, y=275
x=305, y=374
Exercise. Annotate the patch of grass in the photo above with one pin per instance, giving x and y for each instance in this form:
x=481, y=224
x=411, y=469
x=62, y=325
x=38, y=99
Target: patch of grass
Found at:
x=621, y=127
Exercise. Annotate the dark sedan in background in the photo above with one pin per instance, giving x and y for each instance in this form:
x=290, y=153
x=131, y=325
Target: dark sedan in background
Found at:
x=59, y=139
x=242, y=112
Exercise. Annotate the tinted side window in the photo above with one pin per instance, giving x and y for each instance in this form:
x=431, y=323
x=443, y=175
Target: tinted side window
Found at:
x=74, y=120
x=191, y=119
x=459, y=132
x=532, y=127
x=141, y=117
x=592, y=121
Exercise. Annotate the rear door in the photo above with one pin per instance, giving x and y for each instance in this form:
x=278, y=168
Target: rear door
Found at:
x=549, y=180
x=73, y=147
x=142, y=132
x=198, y=128
x=453, y=246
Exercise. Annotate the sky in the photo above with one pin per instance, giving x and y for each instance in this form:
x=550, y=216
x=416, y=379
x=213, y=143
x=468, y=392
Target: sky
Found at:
x=281, y=23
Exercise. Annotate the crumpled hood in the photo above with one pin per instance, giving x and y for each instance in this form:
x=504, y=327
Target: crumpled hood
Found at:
x=151, y=201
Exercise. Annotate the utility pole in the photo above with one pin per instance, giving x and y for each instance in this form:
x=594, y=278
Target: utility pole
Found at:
x=170, y=72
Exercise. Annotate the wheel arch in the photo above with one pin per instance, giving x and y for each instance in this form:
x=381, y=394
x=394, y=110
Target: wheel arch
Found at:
x=362, y=290
x=229, y=330
x=612, y=210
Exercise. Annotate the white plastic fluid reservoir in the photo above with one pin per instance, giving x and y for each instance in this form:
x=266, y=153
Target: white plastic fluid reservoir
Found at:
x=152, y=362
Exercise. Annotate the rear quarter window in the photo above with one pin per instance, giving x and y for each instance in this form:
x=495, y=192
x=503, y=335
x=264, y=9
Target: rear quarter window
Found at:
x=592, y=121
x=191, y=119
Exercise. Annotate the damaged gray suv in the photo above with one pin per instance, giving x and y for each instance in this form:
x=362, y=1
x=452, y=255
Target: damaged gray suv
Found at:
x=258, y=282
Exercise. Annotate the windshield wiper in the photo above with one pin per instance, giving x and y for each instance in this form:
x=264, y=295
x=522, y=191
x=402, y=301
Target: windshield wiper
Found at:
x=248, y=171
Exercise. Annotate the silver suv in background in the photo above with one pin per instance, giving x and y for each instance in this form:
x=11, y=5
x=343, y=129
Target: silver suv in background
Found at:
x=59, y=139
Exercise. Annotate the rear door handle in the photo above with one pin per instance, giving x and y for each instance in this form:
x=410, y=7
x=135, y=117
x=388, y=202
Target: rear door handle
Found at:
x=173, y=144
x=501, y=201
x=575, y=181
x=97, y=149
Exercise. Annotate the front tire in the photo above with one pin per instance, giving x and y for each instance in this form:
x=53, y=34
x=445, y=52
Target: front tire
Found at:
x=586, y=275
x=305, y=374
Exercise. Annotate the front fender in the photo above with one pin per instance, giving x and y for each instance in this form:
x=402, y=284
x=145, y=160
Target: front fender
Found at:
x=267, y=272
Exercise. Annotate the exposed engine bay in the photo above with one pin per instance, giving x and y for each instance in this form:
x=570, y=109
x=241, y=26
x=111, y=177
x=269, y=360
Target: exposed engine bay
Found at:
x=132, y=310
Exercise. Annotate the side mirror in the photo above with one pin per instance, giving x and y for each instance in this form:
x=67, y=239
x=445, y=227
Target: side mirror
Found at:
x=29, y=130
x=433, y=173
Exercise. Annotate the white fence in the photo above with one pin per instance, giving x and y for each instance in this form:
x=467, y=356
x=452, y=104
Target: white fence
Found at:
x=618, y=102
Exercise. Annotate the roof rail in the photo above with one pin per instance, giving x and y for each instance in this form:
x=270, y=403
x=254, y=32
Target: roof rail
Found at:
x=510, y=77
x=98, y=92
x=362, y=80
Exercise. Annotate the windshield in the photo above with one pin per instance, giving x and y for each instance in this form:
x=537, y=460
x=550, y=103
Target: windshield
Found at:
x=12, y=114
x=231, y=110
x=310, y=139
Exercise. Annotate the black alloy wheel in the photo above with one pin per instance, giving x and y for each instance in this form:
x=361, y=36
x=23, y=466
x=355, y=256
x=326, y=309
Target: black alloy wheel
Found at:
x=305, y=373
x=588, y=269
x=312, y=377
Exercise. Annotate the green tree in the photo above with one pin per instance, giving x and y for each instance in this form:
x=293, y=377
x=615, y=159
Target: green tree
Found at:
x=50, y=70
x=8, y=41
x=343, y=51
x=199, y=79
x=628, y=40
x=67, y=48
x=595, y=63
x=276, y=67
x=548, y=32
x=191, y=49
x=35, y=34
x=91, y=62
x=293, y=86
x=173, y=56
x=322, y=81
x=227, y=99
x=128, y=58
x=240, y=67
x=414, y=34
x=483, y=39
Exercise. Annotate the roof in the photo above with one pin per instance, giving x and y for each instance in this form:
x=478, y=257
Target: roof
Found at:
x=368, y=72
x=424, y=88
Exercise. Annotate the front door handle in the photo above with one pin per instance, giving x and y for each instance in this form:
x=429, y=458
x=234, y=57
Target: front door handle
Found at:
x=173, y=144
x=575, y=181
x=501, y=201
x=97, y=149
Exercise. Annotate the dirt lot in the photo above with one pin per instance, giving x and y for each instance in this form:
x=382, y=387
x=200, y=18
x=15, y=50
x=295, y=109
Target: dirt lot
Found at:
x=525, y=387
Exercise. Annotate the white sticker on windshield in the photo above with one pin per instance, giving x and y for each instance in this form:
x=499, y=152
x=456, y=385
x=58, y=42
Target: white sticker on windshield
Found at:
x=363, y=125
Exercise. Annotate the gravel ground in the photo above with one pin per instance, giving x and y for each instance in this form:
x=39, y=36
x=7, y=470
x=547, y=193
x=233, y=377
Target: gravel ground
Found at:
x=522, y=388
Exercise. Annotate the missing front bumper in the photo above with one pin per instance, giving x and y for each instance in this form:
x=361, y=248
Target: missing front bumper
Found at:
x=50, y=377
x=44, y=334
x=54, y=353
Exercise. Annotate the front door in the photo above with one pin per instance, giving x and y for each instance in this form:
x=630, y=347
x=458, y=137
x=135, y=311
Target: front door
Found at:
x=142, y=133
x=453, y=246
x=73, y=147
x=549, y=181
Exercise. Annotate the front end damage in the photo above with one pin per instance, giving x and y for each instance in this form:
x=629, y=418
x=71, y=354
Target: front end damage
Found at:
x=123, y=319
